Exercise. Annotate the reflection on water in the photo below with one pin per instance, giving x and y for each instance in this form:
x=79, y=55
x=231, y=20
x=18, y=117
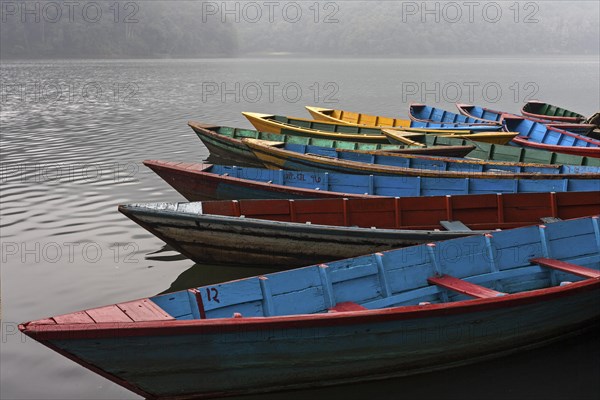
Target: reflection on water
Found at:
x=67, y=162
x=201, y=275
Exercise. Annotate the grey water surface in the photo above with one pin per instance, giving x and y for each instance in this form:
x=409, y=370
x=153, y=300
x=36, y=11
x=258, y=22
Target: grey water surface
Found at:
x=74, y=133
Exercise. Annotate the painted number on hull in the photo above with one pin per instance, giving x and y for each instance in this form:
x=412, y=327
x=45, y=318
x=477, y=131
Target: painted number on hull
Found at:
x=212, y=294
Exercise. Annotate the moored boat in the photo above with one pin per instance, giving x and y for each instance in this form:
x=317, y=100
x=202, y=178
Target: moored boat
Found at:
x=399, y=312
x=361, y=119
x=425, y=113
x=314, y=158
x=538, y=109
x=197, y=181
x=536, y=135
x=496, y=116
x=291, y=233
x=226, y=141
x=303, y=127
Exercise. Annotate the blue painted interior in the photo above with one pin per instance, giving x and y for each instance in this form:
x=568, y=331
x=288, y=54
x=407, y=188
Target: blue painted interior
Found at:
x=439, y=115
x=483, y=113
x=453, y=126
x=539, y=133
x=399, y=277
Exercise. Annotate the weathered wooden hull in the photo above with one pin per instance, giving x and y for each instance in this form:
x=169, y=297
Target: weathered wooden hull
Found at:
x=536, y=135
x=197, y=182
x=275, y=233
x=536, y=109
x=293, y=357
x=318, y=159
x=214, y=239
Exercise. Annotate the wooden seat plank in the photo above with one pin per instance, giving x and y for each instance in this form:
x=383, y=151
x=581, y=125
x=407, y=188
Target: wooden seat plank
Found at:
x=144, y=310
x=464, y=287
x=108, y=314
x=79, y=317
x=567, y=267
x=347, y=306
x=454, y=226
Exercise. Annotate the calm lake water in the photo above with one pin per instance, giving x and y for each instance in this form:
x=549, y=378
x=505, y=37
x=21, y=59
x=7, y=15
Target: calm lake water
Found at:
x=74, y=133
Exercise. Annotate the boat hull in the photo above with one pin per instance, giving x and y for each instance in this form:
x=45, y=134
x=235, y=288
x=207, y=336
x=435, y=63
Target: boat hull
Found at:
x=252, y=242
x=178, y=363
x=195, y=182
x=275, y=233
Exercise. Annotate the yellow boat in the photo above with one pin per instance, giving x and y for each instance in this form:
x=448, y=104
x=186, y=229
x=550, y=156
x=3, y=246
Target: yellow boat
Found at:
x=355, y=118
x=323, y=129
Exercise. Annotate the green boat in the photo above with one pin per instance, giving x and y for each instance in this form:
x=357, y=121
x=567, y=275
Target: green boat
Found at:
x=539, y=110
x=496, y=152
x=226, y=142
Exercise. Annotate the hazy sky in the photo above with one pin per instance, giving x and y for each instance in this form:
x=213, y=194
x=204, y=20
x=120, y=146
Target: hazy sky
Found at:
x=304, y=28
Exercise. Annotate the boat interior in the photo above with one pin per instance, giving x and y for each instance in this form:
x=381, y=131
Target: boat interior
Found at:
x=474, y=267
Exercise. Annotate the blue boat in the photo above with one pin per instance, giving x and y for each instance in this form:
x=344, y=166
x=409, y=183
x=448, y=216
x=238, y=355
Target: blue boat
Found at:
x=196, y=181
x=496, y=116
x=537, y=135
x=303, y=157
x=480, y=113
x=395, y=313
x=424, y=113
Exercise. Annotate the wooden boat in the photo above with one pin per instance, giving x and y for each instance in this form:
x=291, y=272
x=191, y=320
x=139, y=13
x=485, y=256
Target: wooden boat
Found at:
x=360, y=119
x=538, y=109
x=425, y=113
x=536, y=135
x=496, y=116
x=226, y=141
x=314, y=158
x=303, y=127
x=400, y=312
x=425, y=161
x=197, y=181
x=291, y=233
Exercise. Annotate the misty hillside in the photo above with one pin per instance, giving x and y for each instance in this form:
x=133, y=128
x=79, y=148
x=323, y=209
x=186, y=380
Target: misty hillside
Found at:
x=345, y=28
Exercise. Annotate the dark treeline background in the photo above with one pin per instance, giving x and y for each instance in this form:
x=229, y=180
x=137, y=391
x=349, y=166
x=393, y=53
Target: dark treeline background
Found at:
x=177, y=29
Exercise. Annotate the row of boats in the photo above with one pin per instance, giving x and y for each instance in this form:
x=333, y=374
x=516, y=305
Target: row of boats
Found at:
x=432, y=242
